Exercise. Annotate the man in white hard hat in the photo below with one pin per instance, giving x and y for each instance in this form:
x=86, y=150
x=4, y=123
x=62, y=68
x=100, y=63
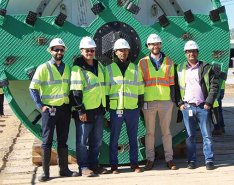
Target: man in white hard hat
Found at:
x=124, y=89
x=88, y=91
x=198, y=83
x=49, y=89
x=158, y=77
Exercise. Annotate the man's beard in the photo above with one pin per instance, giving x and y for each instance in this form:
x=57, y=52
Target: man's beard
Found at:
x=58, y=57
x=154, y=52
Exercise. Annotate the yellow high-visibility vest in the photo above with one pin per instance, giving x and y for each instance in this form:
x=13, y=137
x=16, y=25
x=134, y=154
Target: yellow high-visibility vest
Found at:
x=92, y=86
x=123, y=91
x=53, y=88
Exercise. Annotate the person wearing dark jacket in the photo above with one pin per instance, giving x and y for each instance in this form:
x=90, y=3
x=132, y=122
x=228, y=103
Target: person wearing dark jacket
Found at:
x=198, y=86
x=88, y=93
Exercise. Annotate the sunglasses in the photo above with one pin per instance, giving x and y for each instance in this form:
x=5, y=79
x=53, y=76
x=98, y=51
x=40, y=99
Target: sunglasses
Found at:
x=57, y=50
x=122, y=50
x=90, y=50
x=154, y=44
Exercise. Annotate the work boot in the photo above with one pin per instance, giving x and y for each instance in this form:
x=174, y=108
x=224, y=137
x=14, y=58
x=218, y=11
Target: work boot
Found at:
x=46, y=153
x=149, y=165
x=171, y=165
x=210, y=166
x=98, y=170
x=114, y=169
x=136, y=168
x=86, y=172
x=63, y=163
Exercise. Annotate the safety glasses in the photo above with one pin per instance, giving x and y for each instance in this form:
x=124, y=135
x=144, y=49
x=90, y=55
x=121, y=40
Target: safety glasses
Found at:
x=89, y=50
x=57, y=50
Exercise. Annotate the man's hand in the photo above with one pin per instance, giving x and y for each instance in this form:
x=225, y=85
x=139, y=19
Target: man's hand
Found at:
x=44, y=108
x=207, y=107
x=182, y=107
x=83, y=117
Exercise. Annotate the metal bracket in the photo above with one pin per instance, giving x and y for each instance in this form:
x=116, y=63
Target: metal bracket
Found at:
x=97, y=8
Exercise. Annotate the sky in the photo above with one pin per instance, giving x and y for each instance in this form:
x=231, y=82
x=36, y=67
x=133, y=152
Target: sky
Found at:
x=229, y=6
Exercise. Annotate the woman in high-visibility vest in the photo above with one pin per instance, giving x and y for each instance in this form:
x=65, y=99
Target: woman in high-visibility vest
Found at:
x=124, y=89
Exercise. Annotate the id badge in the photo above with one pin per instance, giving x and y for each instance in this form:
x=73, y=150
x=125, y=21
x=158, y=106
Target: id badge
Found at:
x=190, y=112
x=145, y=107
x=119, y=112
x=52, y=111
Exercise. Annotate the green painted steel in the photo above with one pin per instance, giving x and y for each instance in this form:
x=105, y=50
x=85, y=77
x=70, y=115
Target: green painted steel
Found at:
x=23, y=48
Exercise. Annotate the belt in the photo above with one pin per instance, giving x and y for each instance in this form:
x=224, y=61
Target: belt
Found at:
x=195, y=105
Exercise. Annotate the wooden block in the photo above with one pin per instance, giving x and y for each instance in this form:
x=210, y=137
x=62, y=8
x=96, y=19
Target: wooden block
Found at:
x=36, y=155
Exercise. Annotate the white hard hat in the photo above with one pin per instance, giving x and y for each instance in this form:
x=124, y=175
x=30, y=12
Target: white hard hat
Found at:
x=153, y=38
x=121, y=44
x=87, y=42
x=56, y=42
x=190, y=45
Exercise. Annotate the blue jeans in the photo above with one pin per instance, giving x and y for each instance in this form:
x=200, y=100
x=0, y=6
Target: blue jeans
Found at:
x=61, y=122
x=88, y=141
x=220, y=98
x=131, y=118
x=202, y=117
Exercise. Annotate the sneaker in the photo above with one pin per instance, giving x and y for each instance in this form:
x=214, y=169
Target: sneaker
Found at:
x=191, y=165
x=99, y=170
x=86, y=172
x=210, y=166
x=136, y=168
x=149, y=165
x=114, y=170
x=171, y=165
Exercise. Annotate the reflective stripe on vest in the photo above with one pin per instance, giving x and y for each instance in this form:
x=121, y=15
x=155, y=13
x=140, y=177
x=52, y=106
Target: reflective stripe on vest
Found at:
x=54, y=96
x=157, y=83
x=128, y=82
x=123, y=90
x=149, y=81
x=93, y=86
x=53, y=87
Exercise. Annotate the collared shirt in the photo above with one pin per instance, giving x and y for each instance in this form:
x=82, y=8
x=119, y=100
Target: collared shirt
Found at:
x=193, y=91
x=60, y=67
x=157, y=62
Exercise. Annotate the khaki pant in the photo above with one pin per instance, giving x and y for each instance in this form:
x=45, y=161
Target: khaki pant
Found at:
x=164, y=110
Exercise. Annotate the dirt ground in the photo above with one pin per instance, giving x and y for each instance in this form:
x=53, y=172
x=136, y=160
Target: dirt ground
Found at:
x=10, y=127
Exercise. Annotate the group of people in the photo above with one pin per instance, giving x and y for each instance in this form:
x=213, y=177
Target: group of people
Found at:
x=124, y=88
